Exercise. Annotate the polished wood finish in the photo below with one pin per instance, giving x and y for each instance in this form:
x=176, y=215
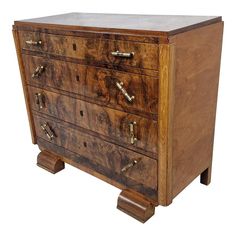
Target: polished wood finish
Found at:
x=92, y=50
x=103, y=153
x=205, y=177
x=114, y=67
x=24, y=85
x=92, y=34
x=106, y=174
x=155, y=144
x=125, y=23
x=96, y=83
x=50, y=162
x=105, y=121
x=196, y=84
x=165, y=122
x=135, y=205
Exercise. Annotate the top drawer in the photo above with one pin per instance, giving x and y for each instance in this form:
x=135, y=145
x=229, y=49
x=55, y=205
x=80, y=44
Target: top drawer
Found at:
x=96, y=51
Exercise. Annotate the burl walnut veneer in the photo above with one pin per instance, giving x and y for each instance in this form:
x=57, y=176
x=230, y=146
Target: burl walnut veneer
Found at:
x=130, y=99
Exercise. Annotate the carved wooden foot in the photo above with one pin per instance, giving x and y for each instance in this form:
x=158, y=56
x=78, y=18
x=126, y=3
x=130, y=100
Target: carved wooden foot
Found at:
x=205, y=177
x=50, y=162
x=135, y=205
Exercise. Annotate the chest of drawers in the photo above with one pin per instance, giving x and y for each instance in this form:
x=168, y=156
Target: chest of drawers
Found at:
x=130, y=99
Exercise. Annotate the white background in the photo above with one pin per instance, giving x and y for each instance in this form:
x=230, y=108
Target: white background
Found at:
x=34, y=202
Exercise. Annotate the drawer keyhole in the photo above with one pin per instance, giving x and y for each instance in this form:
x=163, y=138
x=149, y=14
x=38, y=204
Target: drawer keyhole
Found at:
x=74, y=46
x=77, y=78
x=81, y=113
x=85, y=144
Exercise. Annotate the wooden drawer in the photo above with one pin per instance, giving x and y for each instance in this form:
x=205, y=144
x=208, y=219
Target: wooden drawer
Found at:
x=99, y=152
x=108, y=122
x=96, y=83
x=93, y=50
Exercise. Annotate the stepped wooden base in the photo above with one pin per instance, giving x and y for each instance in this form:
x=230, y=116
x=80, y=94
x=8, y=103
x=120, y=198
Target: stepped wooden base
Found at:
x=50, y=162
x=205, y=177
x=135, y=205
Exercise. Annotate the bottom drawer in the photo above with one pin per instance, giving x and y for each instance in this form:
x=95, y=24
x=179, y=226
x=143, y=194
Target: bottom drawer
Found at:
x=124, y=166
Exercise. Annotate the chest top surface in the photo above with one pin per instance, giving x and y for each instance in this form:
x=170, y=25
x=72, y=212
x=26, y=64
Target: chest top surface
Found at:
x=130, y=23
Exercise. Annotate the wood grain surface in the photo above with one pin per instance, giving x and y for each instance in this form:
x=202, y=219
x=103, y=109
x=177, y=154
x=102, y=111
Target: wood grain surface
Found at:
x=24, y=85
x=196, y=85
x=50, y=162
x=105, y=154
x=105, y=121
x=125, y=23
x=93, y=50
x=79, y=116
x=165, y=122
x=93, y=34
x=135, y=205
x=96, y=83
x=103, y=173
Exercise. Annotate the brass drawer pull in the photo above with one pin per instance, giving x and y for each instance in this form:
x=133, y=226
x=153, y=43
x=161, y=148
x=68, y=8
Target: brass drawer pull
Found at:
x=131, y=164
x=34, y=43
x=38, y=72
x=122, y=54
x=47, y=130
x=40, y=100
x=133, y=139
x=119, y=85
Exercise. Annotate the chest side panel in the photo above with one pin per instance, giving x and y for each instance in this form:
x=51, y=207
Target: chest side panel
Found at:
x=195, y=95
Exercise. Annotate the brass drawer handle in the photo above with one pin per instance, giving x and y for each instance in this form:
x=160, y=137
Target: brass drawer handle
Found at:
x=119, y=85
x=34, y=43
x=40, y=100
x=38, y=72
x=133, y=139
x=131, y=164
x=122, y=54
x=47, y=130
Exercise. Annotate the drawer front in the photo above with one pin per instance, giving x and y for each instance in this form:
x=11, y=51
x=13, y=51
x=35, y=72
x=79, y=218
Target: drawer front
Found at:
x=138, y=93
x=117, y=125
x=93, y=50
x=121, y=161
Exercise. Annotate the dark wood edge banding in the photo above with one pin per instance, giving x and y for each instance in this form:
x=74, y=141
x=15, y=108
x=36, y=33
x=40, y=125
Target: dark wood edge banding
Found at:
x=143, y=38
x=19, y=24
